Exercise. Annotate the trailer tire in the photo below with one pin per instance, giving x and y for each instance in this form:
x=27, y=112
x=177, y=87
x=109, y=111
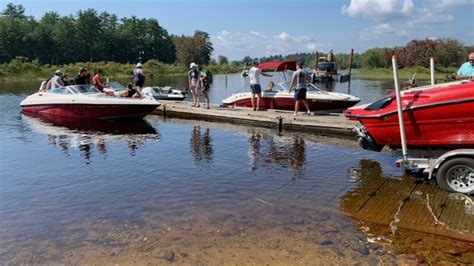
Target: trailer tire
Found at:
x=457, y=175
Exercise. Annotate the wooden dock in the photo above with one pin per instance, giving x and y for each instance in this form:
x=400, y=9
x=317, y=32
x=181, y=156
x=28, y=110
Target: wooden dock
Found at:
x=321, y=123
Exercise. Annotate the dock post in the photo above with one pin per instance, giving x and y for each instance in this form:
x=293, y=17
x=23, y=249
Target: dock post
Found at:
x=280, y=124
x=432, y=71
x=226, y=81
x=164, y=111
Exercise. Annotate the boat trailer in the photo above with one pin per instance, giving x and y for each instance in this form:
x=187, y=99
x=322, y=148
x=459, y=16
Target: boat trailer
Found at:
x=453, y=170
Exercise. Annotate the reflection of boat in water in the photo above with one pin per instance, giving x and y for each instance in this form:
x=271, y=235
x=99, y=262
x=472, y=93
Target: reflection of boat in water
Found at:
x=280, y=97
x=123, y=127
x=85, y=102
x=436, y=116
x=170, y=93
x=387, y=205
x=84, y=134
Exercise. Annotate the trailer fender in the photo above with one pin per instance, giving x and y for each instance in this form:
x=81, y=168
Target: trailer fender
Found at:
x=448, y=156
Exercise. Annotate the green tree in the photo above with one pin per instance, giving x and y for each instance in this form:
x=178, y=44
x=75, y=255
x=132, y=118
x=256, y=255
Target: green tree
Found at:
x=373, y=58
x=197, y=49
x=222, y=60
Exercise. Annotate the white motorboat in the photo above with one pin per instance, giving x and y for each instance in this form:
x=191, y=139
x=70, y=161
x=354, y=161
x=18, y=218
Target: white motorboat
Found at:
x=85, y=102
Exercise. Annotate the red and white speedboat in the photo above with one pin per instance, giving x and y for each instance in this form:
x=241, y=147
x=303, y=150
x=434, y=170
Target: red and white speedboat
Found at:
x=85, y=102
x=280, y=97
x=435, y=116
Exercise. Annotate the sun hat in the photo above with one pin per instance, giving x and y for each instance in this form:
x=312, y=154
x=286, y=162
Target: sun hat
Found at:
x=193, y=65
x=139, y=65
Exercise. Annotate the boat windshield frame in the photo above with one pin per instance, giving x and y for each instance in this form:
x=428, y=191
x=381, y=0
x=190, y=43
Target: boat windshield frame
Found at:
x=285, y=87
x=116, y=86
x=86, y=89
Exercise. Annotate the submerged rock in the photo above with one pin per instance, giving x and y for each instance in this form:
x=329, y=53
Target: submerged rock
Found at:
x=326, y=242
x=170, y=256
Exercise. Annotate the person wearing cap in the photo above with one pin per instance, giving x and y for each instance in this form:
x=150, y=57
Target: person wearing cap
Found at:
x=466, y=71
x=56, y=82
x=83, y=77
x=255, y=88
x=298, y=81
x=194, y=83
x=139, y=77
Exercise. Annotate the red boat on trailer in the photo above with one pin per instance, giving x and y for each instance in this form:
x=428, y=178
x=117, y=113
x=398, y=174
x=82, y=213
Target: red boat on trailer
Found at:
x=436, y=116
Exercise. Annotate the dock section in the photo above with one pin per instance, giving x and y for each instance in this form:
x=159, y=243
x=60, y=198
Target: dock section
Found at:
x=321, y=123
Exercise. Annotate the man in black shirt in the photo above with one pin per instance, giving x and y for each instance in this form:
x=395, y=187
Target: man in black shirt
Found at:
x=83, y=77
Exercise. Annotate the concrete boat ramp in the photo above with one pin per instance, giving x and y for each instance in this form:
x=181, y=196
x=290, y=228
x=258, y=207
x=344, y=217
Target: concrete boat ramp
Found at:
x=321, y=123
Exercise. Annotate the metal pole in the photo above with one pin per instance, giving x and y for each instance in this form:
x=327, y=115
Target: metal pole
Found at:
x=399, y=107
x=432, y=71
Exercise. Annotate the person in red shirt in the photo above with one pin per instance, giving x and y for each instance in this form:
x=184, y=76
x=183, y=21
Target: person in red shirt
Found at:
x=97, y=81
x=100, y=85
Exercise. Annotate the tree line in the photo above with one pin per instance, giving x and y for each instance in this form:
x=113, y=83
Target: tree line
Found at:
x=89, y=36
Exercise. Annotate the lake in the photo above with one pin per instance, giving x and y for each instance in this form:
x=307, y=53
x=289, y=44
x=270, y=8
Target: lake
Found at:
x=196, y=193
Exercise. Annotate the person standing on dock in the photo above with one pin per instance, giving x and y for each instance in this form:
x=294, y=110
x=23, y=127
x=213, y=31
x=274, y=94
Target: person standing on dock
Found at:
x=466, y=71
x=206, y=79
x=194, y=83
x=298, y=81
x=139, y=77
x=256, y=89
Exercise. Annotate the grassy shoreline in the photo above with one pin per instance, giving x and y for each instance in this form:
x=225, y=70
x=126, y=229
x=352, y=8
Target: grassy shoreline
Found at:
x=26, y=70
x=404, y=73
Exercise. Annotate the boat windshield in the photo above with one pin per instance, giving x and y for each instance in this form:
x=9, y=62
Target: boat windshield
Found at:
x=80, y=89
x=285, y=86
x=116, y=86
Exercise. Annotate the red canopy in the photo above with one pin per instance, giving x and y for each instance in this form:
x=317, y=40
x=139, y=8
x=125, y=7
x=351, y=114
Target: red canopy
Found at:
x=278, y=66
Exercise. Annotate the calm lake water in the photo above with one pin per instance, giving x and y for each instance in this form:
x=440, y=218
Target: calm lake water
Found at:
x=190, y=192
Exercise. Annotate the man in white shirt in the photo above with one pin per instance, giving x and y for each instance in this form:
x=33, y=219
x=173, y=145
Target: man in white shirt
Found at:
x=256, y=89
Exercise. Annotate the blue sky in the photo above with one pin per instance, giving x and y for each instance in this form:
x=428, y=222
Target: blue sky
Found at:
x=265, y=27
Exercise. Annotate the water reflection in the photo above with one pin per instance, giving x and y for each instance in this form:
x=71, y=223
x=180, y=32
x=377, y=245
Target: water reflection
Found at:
x=268, y=150
x=87, y=135
x=201, y=145
x=388, y=206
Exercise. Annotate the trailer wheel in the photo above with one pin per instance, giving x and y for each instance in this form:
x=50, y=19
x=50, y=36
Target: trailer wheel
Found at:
x=457, y=175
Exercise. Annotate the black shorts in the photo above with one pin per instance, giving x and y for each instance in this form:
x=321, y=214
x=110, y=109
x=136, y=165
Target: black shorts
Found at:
x=255, y=88
x=300, y=94
x=139, y=83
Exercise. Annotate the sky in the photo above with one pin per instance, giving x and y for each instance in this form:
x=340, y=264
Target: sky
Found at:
x=266, y=27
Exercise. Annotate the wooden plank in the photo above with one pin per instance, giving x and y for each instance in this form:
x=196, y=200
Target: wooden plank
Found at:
x=421, y=207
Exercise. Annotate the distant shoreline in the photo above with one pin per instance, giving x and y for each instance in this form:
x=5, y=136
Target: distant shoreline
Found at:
x=32, y=71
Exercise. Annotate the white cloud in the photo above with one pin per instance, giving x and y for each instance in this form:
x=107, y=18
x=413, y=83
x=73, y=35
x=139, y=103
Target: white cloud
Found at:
x=379, y=10
x=396, y=18
x=382, y=30
x=446, y=4
x=237, y=45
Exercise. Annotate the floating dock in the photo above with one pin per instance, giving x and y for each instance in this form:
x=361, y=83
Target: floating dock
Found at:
x=321, y=123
